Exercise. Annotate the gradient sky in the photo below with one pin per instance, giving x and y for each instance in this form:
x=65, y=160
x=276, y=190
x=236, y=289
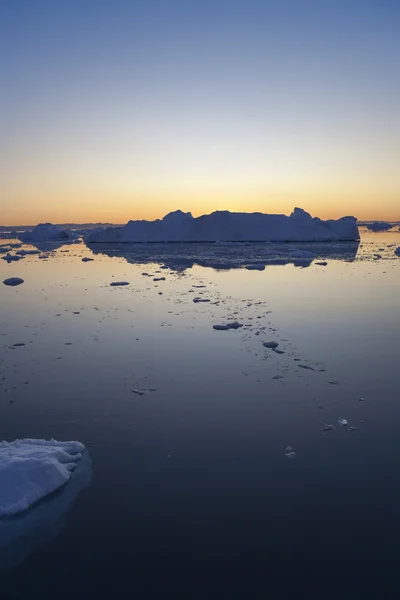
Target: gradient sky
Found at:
x=117, y=109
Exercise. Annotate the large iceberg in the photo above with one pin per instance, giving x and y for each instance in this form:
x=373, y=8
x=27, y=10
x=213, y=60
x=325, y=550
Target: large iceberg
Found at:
x=46, y=232
x=224, y=226
x=31, y=469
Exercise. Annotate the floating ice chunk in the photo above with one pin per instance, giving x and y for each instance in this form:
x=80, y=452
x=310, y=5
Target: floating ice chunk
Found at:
x=116, y=283
x=13, y=281
x=143, y=391
x=22, y=534
x=270, y=344
x=12, y=257
x=326, y=427
x=234, y=325
x=342, y=421
x=31, y=469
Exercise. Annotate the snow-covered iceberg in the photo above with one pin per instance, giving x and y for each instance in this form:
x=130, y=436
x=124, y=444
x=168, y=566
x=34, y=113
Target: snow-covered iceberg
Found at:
x=46, y=232
x=31, y=469
x=225, y=226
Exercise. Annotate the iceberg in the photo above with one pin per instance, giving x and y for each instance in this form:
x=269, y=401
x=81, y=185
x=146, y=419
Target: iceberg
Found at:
x=46, y=232
x=379, y=226
x=225, y=226
x=31, y=469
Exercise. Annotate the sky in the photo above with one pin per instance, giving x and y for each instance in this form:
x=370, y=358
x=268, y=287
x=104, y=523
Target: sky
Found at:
x=116, y=110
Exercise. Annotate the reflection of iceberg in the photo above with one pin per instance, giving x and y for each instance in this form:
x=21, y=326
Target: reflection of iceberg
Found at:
x=228, y=227
x=226, y=256
x=22, y=534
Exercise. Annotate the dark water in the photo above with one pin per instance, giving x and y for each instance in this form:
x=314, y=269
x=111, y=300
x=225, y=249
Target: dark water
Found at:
x=190, y=493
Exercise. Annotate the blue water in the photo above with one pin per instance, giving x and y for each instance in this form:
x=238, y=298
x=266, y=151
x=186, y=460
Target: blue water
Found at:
x=191, y=494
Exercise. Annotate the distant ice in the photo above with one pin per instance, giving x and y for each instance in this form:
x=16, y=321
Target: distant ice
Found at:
x=47, y=232
x=13, y=281
x=224, y=226
x=31, y=469
x=379, y=226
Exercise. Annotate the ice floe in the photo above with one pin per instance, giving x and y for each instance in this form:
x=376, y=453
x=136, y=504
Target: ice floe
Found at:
x=31, y=469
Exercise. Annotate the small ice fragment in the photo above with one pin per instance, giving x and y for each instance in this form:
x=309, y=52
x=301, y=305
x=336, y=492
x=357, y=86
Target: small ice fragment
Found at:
x=270, y=344
x=13, y=281
x=342, y=421
x=333, y=382
x=233, y=325
x=327, y=426
x=289, y=453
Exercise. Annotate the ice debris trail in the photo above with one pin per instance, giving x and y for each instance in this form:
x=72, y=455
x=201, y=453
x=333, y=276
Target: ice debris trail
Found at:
x=31, y=469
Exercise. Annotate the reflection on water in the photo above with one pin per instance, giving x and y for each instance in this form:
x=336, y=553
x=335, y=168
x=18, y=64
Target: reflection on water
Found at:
x=188, y=427
x=225, y=256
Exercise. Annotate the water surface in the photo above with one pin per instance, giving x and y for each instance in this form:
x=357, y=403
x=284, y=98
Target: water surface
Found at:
x=191, y=493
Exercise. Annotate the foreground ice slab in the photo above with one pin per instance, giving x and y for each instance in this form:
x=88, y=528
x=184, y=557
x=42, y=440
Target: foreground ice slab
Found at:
x=46, y=232
x=31, y=469
x=224, y=226
x=24, y=533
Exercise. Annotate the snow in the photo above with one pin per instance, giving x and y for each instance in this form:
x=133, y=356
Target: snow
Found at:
x=224, y=226
x=46, y=232
x=13, y=281
x=379, y=226
x=31, y=469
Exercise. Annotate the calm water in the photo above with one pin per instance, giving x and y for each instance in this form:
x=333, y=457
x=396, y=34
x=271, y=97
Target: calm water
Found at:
x=189, y=492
